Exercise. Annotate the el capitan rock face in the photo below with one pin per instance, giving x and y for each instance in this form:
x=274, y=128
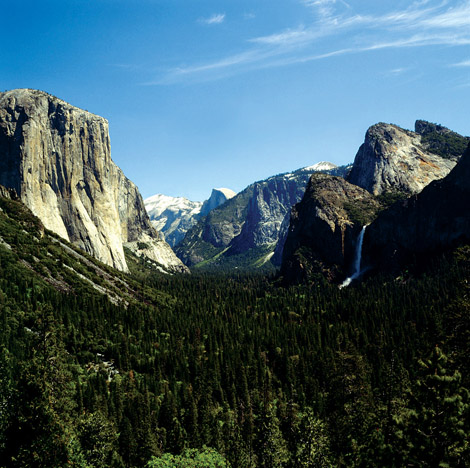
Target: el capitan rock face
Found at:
x=324, y=227
x=58, y=159
x=392, y=159
x=435, y=219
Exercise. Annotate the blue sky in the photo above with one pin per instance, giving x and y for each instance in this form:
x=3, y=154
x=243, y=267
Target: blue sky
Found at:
x=221, y=93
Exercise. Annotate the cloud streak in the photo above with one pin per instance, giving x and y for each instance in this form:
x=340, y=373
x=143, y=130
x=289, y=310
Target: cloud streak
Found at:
x=337, y=28
x=216, y=18
x=464, y=63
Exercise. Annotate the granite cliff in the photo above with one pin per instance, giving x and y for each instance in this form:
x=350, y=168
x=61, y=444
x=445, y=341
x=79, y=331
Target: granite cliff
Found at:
x=218, y=197
x=324, y=227
x=58, y=160
x=392, y=159
x=420, y=169
x=434, y=220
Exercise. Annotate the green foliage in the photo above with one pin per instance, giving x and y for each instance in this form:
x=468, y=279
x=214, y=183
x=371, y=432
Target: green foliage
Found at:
x=313, y=446
x=205, y=458
x=267, y=376
x=253, y=259
x=39, y=431
x=361, y=211
x=435, y=425
x=272, y=450
x=97, y=439
x=387, y=199
x=448, y=145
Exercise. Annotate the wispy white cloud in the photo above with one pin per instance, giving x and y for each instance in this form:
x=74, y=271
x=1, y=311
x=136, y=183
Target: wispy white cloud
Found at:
x=424, y=23
x=464, y=63
x=216, y=18
x=288, y=37
x=324, y=8
x=396, y=71
x=456, y=17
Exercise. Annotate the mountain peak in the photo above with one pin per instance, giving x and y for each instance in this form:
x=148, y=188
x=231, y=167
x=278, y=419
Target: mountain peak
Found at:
x=320, y=166
x=217, y=198
x=228, y=193
x=173, y=216
x=393, y=159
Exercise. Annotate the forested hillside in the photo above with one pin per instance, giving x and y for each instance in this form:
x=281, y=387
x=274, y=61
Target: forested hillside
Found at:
x=152, y=365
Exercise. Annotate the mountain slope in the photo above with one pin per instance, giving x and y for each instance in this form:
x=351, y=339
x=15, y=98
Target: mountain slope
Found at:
x=174, y=216
x=247, y=229
x=58, y=159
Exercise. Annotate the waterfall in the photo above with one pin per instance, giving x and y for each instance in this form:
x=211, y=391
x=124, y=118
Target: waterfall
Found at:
x=357, y=260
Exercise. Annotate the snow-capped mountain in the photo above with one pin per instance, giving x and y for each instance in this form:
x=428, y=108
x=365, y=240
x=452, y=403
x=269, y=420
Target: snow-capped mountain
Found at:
x=320, y=166
x=173, y=216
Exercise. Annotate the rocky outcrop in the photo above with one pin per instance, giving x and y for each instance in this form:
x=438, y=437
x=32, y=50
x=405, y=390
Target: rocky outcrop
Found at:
x=392, y=159
x=324, y=227
x=436, y=219
x=174, y=216
x=217, y=198
x=267, y=208
x=9, y=194
x=58, y=159
x=251, y=224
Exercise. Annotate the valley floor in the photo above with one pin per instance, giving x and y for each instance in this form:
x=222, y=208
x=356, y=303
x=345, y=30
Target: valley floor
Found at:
x=371, y=375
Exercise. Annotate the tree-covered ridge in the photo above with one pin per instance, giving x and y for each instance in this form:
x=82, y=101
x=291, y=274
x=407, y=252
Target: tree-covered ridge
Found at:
x=440, y=140
x=265, y=376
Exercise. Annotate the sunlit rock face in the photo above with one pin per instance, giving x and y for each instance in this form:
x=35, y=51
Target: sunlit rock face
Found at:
x=58, y=159
x=393, y=159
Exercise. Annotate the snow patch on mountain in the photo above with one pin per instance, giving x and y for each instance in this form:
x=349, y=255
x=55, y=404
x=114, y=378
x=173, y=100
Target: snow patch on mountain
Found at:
x=320, y=166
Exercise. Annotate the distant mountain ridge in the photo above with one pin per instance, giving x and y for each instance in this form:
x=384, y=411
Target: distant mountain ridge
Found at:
x=247, y=230
x=174, y=216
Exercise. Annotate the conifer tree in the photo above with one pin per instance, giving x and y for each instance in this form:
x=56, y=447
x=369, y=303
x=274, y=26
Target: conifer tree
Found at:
x=435, y=425
x=313, y=446
x=41, y=431
x=272, y=448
